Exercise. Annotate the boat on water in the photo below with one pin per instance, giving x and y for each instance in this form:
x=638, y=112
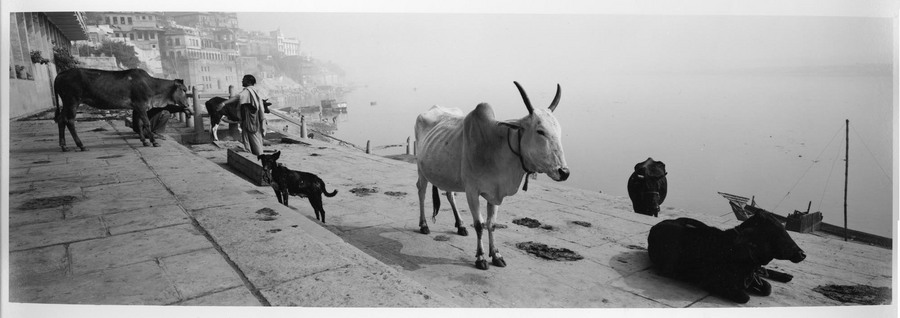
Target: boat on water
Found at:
x=334, y=105
x=803, y=222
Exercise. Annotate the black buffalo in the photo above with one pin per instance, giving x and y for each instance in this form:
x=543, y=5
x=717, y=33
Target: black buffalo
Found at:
x=130, y=89
x=647, y=186
x=725, y=263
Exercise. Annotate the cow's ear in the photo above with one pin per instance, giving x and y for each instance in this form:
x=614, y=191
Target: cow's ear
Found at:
x=179, y=81
x=509, y=124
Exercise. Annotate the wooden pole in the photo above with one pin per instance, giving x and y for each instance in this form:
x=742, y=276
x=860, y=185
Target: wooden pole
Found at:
x=846, y=171
x=303, y=130
x=198, y=119
x=368, y=146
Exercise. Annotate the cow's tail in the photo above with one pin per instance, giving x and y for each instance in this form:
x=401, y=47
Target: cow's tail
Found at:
x=56, y=102
x=436, y=199
x=325, y=191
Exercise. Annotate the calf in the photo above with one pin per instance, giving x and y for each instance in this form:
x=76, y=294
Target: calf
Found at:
x=297, y=183
x=231, y=112
x=726, y=263
x=647, y=186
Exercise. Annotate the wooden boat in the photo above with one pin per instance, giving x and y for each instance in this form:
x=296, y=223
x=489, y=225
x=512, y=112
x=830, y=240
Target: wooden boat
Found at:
x=803, y=222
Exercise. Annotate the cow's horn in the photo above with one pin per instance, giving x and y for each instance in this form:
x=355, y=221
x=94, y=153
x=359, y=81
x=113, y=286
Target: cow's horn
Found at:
x=524, y=98
x=556, y=99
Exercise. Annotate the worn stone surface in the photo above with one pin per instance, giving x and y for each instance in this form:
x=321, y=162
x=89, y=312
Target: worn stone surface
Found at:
x=145, y=219
x=130, y=248
x=237, y=296
x=121, y=197
x=57, y=232
x=136, y=284
x=197, y=273
x=47, y=262
x=350, y=286
x=168, y=225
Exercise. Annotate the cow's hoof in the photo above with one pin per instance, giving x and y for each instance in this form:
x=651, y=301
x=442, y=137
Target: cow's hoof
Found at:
x=146, y=143
x=65, y=149
x=155, y=144
x=498, y=261
x=481, y=264
x=424, y=230
x=738, y=296
x=462, y=231
x=760, y=287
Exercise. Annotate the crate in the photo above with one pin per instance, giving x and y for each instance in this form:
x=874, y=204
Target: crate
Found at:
x=804, y=222
x=247, y=164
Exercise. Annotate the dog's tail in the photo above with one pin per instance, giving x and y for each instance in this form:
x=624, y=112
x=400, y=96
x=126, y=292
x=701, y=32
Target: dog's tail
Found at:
x=436, y=199
x=325, y=191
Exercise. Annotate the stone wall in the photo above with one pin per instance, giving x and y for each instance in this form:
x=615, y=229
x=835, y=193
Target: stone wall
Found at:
x=27, y=97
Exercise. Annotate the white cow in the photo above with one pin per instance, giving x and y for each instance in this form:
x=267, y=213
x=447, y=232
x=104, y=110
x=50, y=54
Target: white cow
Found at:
x=486, y=158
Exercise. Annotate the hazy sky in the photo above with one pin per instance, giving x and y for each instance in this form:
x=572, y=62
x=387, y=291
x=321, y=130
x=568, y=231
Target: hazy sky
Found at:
x=370, y=45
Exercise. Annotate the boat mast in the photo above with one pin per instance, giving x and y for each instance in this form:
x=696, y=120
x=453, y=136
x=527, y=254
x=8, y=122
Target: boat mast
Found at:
x=846, y=168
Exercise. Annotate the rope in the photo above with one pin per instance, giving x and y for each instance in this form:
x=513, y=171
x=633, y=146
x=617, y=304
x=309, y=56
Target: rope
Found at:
x=815, y=161
x=871, y=154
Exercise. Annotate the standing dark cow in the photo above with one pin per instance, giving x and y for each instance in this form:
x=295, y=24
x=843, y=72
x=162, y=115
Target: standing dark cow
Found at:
x=647, y=186
x=131, y=89
x=722, y=262
x=231, y=112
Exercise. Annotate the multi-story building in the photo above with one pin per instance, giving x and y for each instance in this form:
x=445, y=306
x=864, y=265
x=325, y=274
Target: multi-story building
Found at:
x=285, y=46
x=255, y=43
x=205, y=19
x=97, y=34
x=142, y=29
x=203, y=58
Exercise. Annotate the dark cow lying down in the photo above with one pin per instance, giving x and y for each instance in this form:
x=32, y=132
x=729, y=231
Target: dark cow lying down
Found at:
x=647, y=186
x=726, y=263
x=231, y=112
x=130, y=89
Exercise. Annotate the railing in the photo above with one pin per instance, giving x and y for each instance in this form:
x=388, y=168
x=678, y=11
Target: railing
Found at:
x=197, y=123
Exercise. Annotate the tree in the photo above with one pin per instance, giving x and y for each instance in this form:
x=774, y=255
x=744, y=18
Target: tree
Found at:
x=63, y=59
x=124, y=53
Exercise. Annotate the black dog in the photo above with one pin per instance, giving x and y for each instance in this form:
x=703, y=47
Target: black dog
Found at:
x=297, y=183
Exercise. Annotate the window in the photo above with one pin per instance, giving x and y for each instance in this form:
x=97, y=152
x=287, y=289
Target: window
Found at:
x=131, y=36
x=129, y=20
x=107, y=20
x=177, y=41
x=153, y=35
x=115, y=20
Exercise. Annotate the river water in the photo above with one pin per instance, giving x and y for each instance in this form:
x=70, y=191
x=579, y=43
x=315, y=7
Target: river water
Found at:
x=748, y=106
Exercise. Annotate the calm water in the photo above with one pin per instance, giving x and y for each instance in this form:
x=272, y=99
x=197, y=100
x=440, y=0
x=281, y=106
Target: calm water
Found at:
x=743, y=105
